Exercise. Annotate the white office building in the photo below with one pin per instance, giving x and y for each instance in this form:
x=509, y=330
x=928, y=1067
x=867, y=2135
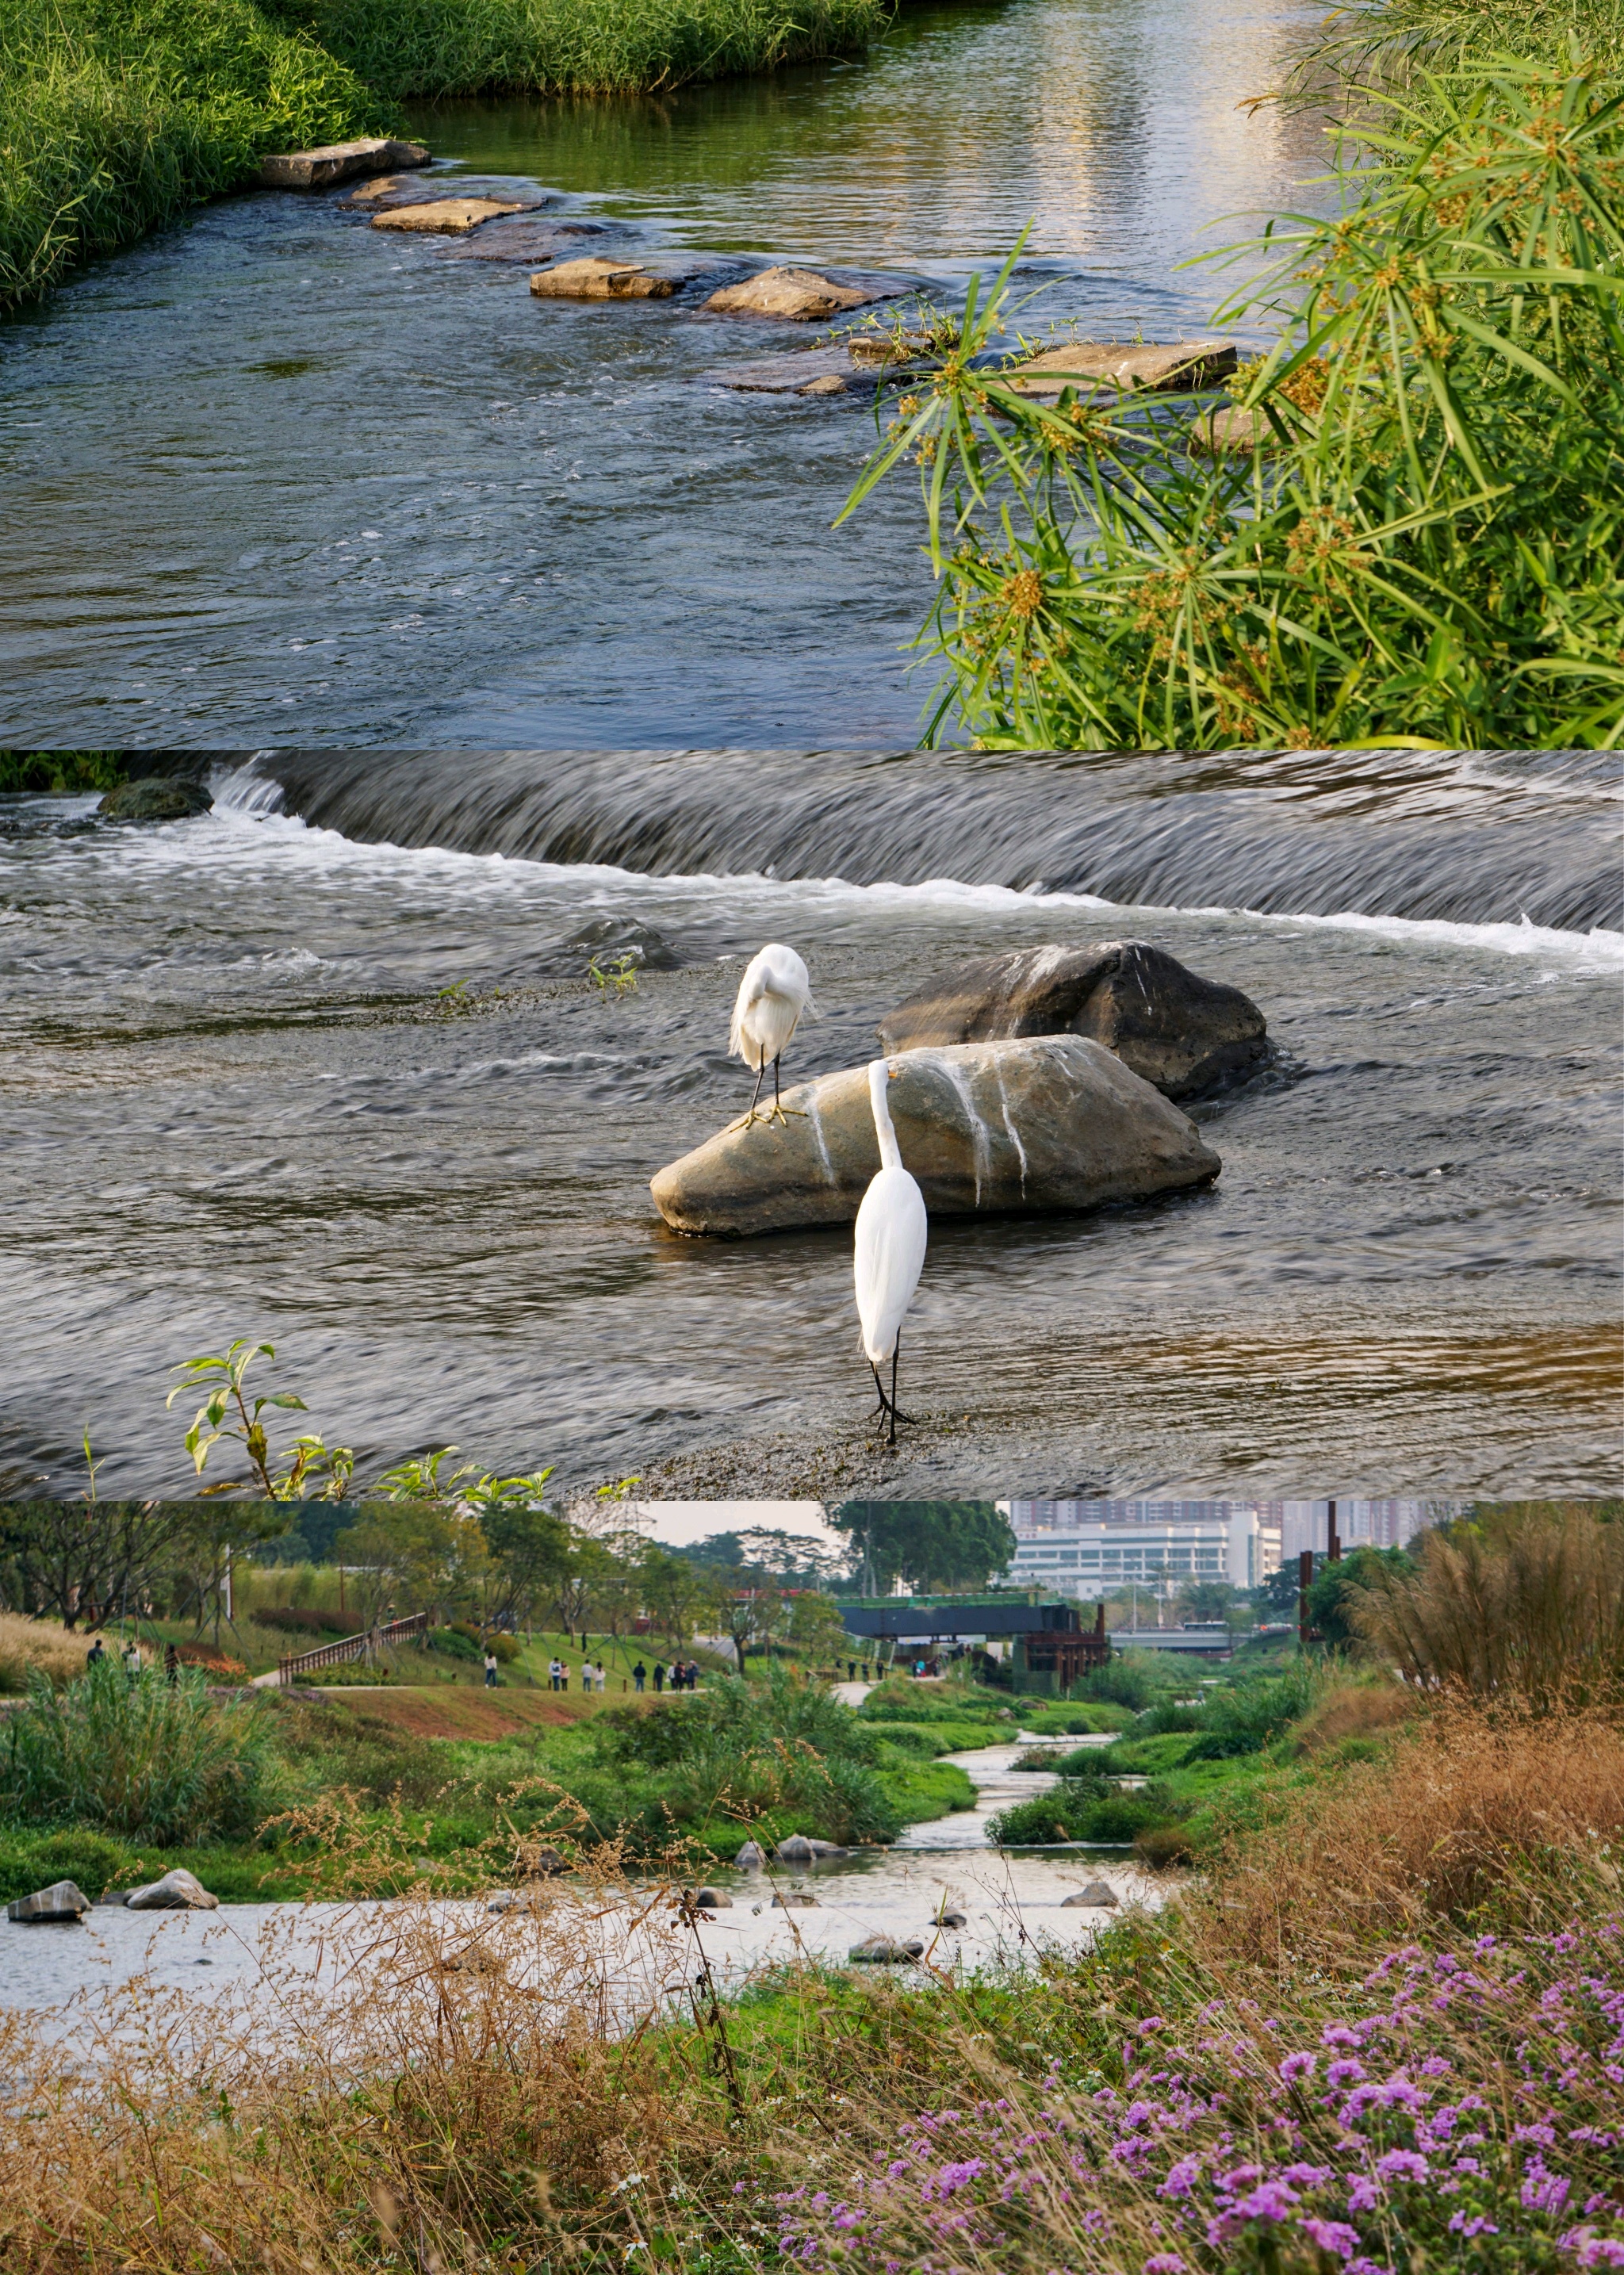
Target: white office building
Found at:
x=1089, y=1548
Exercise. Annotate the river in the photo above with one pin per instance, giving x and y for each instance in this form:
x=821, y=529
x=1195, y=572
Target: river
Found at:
x=162, y=1977
x=274, y=475
x=235, y=1100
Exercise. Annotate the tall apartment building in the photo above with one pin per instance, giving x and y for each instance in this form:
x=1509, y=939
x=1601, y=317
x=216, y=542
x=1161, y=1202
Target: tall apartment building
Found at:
x=1088, y=1548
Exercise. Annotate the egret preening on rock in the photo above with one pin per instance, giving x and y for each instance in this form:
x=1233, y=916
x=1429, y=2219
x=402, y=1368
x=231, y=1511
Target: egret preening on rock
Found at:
x=890, y=1246
x=773, y=996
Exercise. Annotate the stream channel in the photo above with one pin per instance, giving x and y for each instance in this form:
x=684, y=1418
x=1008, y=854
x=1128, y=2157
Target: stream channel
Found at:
x=274, y=475
x=1013, y=1903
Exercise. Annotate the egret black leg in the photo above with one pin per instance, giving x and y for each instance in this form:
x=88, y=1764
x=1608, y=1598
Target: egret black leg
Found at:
x=897, y=1412
x=882, y=1407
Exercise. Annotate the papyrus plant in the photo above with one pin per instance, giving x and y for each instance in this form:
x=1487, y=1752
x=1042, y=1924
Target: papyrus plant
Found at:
x=1417, y=542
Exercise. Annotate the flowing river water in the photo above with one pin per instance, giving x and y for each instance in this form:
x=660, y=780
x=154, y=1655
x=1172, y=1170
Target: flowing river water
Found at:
x=261, y=1963
x=273, y=474
x=238, y=1099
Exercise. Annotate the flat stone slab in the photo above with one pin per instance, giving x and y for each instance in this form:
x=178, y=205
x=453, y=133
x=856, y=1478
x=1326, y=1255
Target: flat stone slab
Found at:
x=445, y=217
x=799, y=295
x=389, y=191
x=338, y=161
x=806, y=371
x=1232, y=429
x=598, y=279
x=1042, y=1123
x=528, y=244
x=61, y=1905
x=1115, y=367
x=1172, y=1027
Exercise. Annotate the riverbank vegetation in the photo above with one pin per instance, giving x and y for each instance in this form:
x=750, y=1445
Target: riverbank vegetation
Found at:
x=115, y=118
x=1403, y=529
x=1380, y=2032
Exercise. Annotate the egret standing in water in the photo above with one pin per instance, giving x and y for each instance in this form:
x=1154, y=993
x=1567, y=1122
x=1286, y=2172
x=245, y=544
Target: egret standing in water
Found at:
x=890, y=1246
x=775, y=994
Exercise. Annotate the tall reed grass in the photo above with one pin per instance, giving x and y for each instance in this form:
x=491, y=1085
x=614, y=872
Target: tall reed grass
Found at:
x=466, y=47
x=1419, y=540
x=37, y=1647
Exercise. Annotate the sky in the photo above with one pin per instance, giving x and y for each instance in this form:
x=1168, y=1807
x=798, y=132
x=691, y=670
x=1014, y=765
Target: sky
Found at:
x=679, y=1523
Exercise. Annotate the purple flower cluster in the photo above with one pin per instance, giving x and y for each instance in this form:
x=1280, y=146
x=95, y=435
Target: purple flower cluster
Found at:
x=1468, y=2102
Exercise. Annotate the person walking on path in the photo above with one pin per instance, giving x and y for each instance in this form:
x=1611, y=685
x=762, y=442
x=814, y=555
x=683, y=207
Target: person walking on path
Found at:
x=490, y=1669
x=658, y=1674
x=97, y=1652
x=640, y=1675
x=132, y=1659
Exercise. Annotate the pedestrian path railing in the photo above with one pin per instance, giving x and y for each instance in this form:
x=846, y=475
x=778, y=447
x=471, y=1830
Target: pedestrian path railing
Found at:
x=356, y=1647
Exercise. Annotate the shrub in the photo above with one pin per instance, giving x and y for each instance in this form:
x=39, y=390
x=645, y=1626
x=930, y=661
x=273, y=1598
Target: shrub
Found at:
x=455, y=1643
x=1419, y=542
x=93, y=1861
x=1081, y=1809
x=151, y=1759
x=346, y=1673
x=501, y=1647
x=220, y=1664
x=299, y=1619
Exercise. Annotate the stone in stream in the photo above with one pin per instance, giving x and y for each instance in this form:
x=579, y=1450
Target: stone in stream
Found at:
x=713, y=1899
x=155, y=798
x=393, y=190
x=800, y=1849
x=1045, y=1123
x=1113, y=368
x=1232, y=429
x=178, y=1891
x=750, y=1858
x=337, y=161
x=1097, y=1892
x=444, y=216
x=800, y=295
x=526, y=244
x=886, y=1951
x=598, y=279
x=951, y=1919
x=795, y=1903
x=61, y=1905
x=830, y=370
x=1174, y=1029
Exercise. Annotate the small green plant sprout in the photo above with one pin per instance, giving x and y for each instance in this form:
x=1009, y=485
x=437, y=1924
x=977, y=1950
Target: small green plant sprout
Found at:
x=419, y=1478
x=450, y=994
x=491, y=1493
x=316, y=1470
x=618, y=1491
x=92, y=1465
x=615, y=973
x=224, y=1375
x=472, y=1491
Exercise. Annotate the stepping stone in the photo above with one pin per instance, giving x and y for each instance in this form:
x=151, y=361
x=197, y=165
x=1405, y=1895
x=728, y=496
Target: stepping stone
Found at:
x=882, y=1950
x=801, y=296
x=178, y=1891
x=807, y=371
x=527, y=243
x=393, y=190
x=61, y=1905
x=1098, y=1893
x=1232, y=429
x=337, y=161
x=1115, y=367
x=445, y=217
x=795, y=1903
x=596, y=278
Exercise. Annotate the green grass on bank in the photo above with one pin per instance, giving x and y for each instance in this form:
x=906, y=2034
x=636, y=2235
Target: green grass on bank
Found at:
x=117, y=116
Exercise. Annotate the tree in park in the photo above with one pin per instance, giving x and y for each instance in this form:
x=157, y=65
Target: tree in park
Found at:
x=930, y=1544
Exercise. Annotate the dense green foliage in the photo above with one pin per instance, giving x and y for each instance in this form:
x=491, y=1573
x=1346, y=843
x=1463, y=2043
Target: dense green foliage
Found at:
x=1418, y=540
x=116, y=115
x=460, y=47
x=930, y=1544
x=147, y=1758
x=58, y=772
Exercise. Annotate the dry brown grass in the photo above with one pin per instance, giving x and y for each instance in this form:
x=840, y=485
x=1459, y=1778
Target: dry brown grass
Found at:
x=1464, y=1810
x=1354, y=1710
x=1528, y=1602
x=41, y=1643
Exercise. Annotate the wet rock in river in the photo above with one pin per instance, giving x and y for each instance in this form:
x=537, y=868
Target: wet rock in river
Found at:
x=750, y=1858
x=798, y=1849
x=391, y=190
x=1232, y=429
x=713, y=1899
x=445, y=217
x=178, y=1891
x=830, y=370
x=1113, y=368
x=795, y=1903
x=607, y=937
x=155, y=798
x=598, y=279
x=338, y=161
x=1178, y=1031
x=1098, y=1893
x=61, y=1905
x=526, y=244
x=800, y=295
x=886, y=1951
x=1041, y=1123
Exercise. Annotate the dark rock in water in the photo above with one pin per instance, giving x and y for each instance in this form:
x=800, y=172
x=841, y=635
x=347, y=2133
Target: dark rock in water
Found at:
x=528, y=244
x=835, y=370
x=607, y=937
x=393, y=190
x=155, y=799
x=795, y=1903
x=61, y=1905
x=800, y=1849
x=750, y=1858
x=115, y=1896
x=1097, y=1892
x=884, y=1951
x=337, y=161
x=1174, y=1029
x=1029, y=1126
x=540, y=1864
x=951, y=1919
x=713, y=1899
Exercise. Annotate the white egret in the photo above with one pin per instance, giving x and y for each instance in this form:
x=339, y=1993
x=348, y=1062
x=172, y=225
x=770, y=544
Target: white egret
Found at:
x=889, y=1252
x=773, y=996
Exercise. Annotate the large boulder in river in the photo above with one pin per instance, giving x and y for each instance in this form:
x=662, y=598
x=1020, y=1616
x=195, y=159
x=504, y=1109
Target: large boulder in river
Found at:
x=337, y=161
x=801, y=295
x=1045, y=1123
x=178, y=1891
x=155, y=798
x=1178, y=1031
x=61, y=1905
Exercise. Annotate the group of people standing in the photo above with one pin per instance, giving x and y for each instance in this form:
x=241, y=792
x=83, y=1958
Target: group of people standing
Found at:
x=683, y=1674
x=134, y=1659
x=593, y=1677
